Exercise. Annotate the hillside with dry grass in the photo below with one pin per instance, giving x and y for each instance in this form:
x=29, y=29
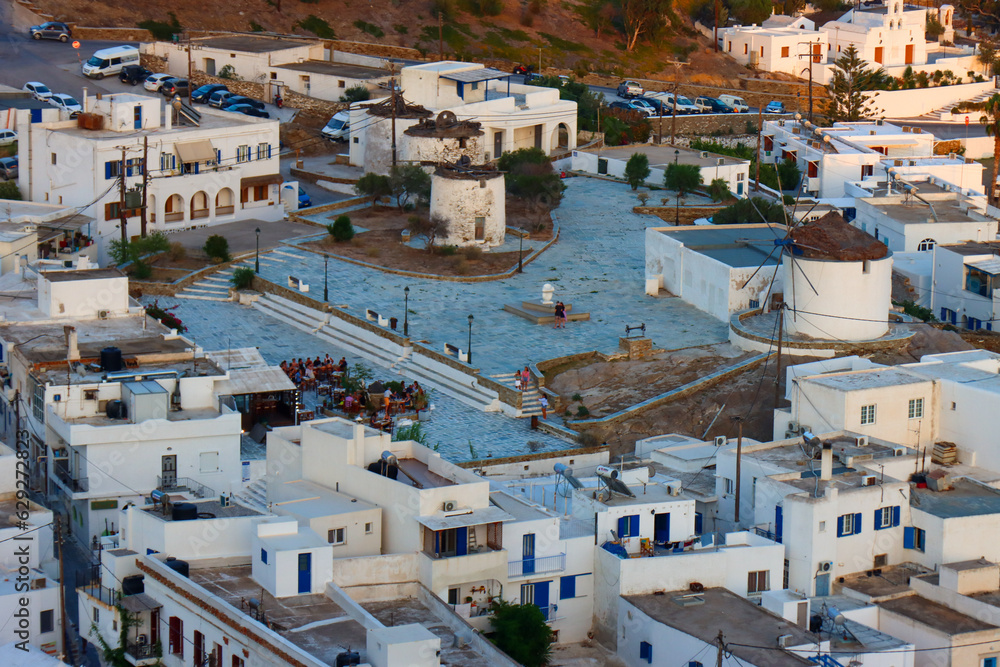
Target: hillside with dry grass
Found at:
x=579, y=36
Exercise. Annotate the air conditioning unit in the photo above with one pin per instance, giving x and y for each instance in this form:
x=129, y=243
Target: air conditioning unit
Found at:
x=862, y=441
x=825, y=565
x=103, y=314
x=721, y=440
x=487, y=156
x=224, y=500
x=720, y=161
x=803, y=428
x=142, y=640
x=791, y=434
x=783, y=640
x=674, y=490
x=793, y=426
x=869, y=480
x=450, y=505
x=704, y=154
x=879, y=122
x=899, y=451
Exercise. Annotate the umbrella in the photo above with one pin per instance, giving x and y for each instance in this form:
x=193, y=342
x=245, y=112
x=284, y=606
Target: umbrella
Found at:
x=376, y=388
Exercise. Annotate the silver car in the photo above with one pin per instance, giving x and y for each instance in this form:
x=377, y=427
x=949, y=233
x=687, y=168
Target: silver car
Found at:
x=8, y=168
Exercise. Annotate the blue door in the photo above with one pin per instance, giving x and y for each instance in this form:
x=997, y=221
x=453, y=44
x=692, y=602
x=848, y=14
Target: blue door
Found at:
x=698, y=523
x=822, y=584
x=528, y=553
x=779, y=523
x=305, y=573
x=461, y=541
x=538, y=595
x=137, y=116
x=739, y=188
x=661, y=527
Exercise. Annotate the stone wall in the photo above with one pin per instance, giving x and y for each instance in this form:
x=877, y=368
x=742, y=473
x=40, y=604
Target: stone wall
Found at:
x=377, y=50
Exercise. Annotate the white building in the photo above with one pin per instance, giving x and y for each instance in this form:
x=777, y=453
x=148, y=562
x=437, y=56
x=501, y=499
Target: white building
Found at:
x=714, y=268
x=211, y=168
x=611, y=162
x=780, y=44
x=964, y=279
x=511, y=115
x=473, y=204
x=922, y=216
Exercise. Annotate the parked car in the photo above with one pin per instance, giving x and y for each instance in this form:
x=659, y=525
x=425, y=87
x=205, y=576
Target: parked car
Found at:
x=202, y=93
x=51, y=30
x=684, y=105
x=110, y=61
x=647, y=107
x=247, y=110
x=630, y=106
x=218, y=98
x=738, y=104
x=242, y=99
x=7, y=137
x=8, y=168
x=38, y=90
x=66, y=103
x=133, y=74
x=774, y=106
x=175, y=87
x=338, y=128
x=629, y=89
x=520, y=69
x=711, y=105
x=659, y=108
x=154, y=81
x=304, y=200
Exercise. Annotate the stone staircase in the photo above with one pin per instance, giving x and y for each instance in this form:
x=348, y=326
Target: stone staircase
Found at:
x=254, y=496
x=530, y=405
x=944, y=114
x=214, y=287
x=460, y=386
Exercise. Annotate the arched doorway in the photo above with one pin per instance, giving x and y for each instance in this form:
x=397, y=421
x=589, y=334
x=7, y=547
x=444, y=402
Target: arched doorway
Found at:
x=173, y=210
x=199, y=205
x=562, y=136
x=224, y=202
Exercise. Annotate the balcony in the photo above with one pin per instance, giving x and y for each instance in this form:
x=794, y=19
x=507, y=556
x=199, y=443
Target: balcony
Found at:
x=143, y=654
x=66, y=479
x=197, y=489
x=173, y=217
x=532, y=566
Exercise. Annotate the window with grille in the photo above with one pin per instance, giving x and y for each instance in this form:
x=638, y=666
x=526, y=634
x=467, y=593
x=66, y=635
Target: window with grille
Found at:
x=867, y=414
x=242, y=153
x=916, y=408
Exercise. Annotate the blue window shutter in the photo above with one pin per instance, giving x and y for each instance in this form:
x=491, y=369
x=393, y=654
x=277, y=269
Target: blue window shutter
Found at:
x=908, y=537
x=895, y=516
x=857, y=523
x=840, y=526
x=779, y=523
x=567, y=587
x=461, y=541
x=36, y=115
x=633, y=525
x=263, y=557
x=878, y=519
x=623, y=527
x=269, y=151
x=646, y=651
x=989, y=662
x=107, y=170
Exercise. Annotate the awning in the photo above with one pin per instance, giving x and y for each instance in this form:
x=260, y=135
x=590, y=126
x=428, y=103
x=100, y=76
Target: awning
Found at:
x=254, y=381
x=990, y=266
x=238, y=358
x=196, y=151
x=474, y=75
x=269, y=179
x=139, y=602
x=470, y=518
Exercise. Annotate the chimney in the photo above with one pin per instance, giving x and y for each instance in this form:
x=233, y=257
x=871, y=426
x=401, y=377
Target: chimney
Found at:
x=85, y=105
x=826, y=463
x=72, y=347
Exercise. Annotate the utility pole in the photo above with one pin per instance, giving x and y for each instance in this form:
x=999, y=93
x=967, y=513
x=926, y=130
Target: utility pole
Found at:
x=539, y=61
x=392, y=84
x=190, y=68
x=122, y=215
x=809, y=54
x=760, y=128
x=777, y=369
x=716, y=26
x=145, y=182
x=673, y=121
x=440, y=37
x=60, y=542
x=722, y=650
x=739, y=456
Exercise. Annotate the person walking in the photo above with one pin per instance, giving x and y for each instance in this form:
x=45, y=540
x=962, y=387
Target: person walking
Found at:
x=545, y=406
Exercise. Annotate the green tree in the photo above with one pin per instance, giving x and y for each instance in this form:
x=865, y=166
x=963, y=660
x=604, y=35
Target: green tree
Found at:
x=358, y=93
x=852, y=80
x=115, y=655
x=683, y=178
x=521, y=632
x=991, y=121
x=531, y=178
x=718, y=190
x=746, y=211
x=217, y=247
x=789, y=174
x=242, y=277
x=9, y=190
x=341, y=230
x=229, y=72
x=409, y=180
x=637, y=170
x=750, y=11
x=642, y=17
x=933, y=27
x=374, y=186
x=138, y=251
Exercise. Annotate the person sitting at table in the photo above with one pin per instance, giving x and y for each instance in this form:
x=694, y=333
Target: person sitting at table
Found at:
x=342, y=367
x=284, y=366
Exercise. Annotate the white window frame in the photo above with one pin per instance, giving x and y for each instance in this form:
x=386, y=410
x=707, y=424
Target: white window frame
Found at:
x=885, y=517
x=369, y=528
x=915, y=409
x=242, y=153
x=868, y=414
x=332, y=538
x=729, y=485
x=168, y=162
x=848, y=524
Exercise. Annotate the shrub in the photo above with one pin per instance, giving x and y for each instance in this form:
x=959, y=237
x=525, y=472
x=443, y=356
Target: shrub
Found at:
x=643, y=198
x=141, y=270
x=577, y=397
x=491, y=7
x=341, y=230
x=369, y=28
x=443, y=9
x=747, y=211
x=374, y=186
x=718, y=190
x=177, y=251
x=401, y=29
x=162, y=30
x=228, y=72
x=318, y=27
x=582, y=411
x=414, y=432
x=166, y=316
x=521, y=632
x=429, y=228
x=256, y=27
x=242, y=277
x=472, y=252
x=637, y=170
x=919, y=312
x=446, y=250
x=9, y=190
x=409, y=180
x=217, y=247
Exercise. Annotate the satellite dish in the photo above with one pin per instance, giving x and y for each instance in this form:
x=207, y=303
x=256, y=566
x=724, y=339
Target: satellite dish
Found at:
x=445, y=119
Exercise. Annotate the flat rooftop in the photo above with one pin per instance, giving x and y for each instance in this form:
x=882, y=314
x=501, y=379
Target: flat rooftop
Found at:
x=661, y=156
x=893, y=582
x=741, y=621
x=520, y=509
x=873, y=378
x=738, y=246
x=9, y=508
x=934, y=615
x=83, y=274
x=915, y=211
x=964, y=499
x=46, y=341
x=308, y=500
x=861, y=638
x=249, y=44
x=337, y=69
x=790, y=455
x=420, y=475
x=974, y=247
x=211, y=119
x=205, y=507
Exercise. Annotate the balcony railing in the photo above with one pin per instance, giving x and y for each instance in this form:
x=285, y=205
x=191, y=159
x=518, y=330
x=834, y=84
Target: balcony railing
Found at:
x=142, y=651
x=66, y=478
x=521, y=568
x=173, y=217
x=225, y=210
x=197, y=489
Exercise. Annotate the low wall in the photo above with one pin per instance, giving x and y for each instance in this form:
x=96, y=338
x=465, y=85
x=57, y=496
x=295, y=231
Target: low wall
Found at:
x=526, y=465
x=461, y=627
x=919, y=101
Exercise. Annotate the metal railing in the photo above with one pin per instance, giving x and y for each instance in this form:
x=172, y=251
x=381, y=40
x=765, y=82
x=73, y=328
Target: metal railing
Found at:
x=66, y=477
x=774, y=537
x=196, y=488
x=142, y=651
x=520, y=568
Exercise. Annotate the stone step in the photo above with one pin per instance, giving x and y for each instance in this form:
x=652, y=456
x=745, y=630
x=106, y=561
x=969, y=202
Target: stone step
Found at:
x=197, y=290
x=288, y=254
x=183, y=295
x=206, y=283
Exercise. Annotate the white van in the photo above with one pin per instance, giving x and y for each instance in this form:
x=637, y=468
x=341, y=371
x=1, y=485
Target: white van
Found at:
x=338, y=128
x=110, y=61
x=737, y=103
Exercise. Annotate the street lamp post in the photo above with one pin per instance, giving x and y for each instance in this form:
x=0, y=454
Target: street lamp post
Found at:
x=677, y=195
x=520, y=245
x=469, y=351
x=256, y=262
x=326, y=278
x=406, y=311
